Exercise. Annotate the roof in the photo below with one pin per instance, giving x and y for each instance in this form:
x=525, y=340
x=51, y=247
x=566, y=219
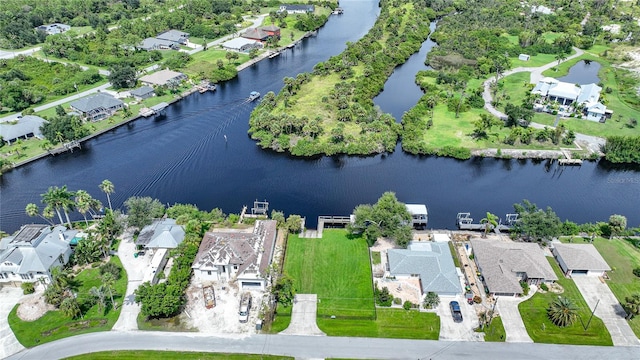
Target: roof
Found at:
x=581, y=257
x=162, y=77
x=295, y=7
x=238, y=43
x=500, y=262
x=431, y=261
x=564, y=90
x=416, y=209
x=173, y=35
x=142, y=91
x=94, y=102
x=269, y=28
x=589, y=94
x=253, y=33
x=161, y=234
x=250, y=251
x=35, y=248
x=598, y=108
x=28, y=124
x=152, y=43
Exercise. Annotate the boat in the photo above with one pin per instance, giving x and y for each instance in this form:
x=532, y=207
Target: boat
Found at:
x=254, y=95
x=274, y=54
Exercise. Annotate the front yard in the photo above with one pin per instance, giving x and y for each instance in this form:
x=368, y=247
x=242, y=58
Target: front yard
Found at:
x=542, y=330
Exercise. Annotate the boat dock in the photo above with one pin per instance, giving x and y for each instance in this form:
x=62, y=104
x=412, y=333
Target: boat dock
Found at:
x=338, y=11
x=568, y=160
x=274, y=54
x=464, y=221
x=66, y=147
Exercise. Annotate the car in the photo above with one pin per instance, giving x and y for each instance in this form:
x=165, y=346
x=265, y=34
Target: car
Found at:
x=245, y=307
x=455, y=311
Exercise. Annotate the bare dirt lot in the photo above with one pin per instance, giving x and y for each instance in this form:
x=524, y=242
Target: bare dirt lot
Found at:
x=33, y=306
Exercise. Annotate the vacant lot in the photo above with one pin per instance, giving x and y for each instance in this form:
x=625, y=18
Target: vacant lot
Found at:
x=542, y=330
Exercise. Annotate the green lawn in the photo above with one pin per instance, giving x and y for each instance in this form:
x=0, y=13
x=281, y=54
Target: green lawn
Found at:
x=454, y=254
x=54, y=325
x=376, y=257
x=495, y=332
x=204, y=62
x=622, y=257
x=183, y=355
x=542, y=330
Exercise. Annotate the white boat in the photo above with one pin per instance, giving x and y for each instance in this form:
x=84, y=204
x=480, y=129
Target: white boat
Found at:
x=254, y=95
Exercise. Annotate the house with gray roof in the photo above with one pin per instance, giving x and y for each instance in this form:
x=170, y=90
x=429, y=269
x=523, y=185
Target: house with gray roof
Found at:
x=237, y=256
x=431, y=262
x=149, y=44
x=31, y=253
x=241, y=44
x=143, y=92
x=580, y=259
x=161, y=234
x=97, y=107
x=163, y=77
x=52, y=29
x=297, y=8
x=504, y=264
x=175, y=36
x=22, y=128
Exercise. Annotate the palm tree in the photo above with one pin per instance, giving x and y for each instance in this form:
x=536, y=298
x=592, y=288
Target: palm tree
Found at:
x=107, y=187
x=60, y=198
x=99, y=296
x=83, y=204
x=70, y=307
x=108, y=281
x=562, y=312
x=490, y=222
x=632, y=305
x=33, y=210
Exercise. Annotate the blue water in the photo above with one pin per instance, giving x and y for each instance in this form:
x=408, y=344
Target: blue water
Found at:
x=582, y=73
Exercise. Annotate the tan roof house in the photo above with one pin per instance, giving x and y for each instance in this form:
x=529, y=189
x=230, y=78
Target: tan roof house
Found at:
x=580, y=259
x=163, y=77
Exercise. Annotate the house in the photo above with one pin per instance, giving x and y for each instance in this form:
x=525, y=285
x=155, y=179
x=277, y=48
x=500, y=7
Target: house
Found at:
x=31, y=253
x=241, y=44
x=256, y=34
x=524, y=57
x=431, y=262
x=163, y=77
x=149, y=44
x=161, y=234
x=52, y=29
x=585, y=97
x=271, y=30
x=504, y=264
x=143, y=92
x=24, y=127
x=97, y=107
x=419, y=215
x=236, y=255
x=580, y=259
x=175, y=36
x=297, y=9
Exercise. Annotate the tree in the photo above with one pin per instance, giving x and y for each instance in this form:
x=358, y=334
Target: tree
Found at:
x=122, y=76
x=383, y=297
x=536, y=224
x=107, y=187
x=278, y=216
x=431, y=300
x=562, y=312
x=142, y=210
x=108, y=282
x=294, y=223
x=99, y=296
x=33, y=210
x=70, y=307
x=60, y=199
x=284, y=291
x=617, y=224
x=632, y=306
x=84, y=202
x=490, y=222
x=388, y=218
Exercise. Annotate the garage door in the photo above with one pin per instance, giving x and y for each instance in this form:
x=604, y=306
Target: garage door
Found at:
x=579, y=272
x=251, y=284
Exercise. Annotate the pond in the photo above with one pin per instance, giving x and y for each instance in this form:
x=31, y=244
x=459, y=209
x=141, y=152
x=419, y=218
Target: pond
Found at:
x=583, y=73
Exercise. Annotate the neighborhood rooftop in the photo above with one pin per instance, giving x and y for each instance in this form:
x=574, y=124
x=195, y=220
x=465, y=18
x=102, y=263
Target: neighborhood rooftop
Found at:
x=162, y=77
x=28, y=124
x=161, y=234
x=581, y=256
x=99, y=100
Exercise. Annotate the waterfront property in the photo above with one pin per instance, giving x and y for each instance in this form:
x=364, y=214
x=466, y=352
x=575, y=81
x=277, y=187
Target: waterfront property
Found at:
x=97, y=107
x=52, y=29
x=256, y=34
x=580, y=259
x=431, y=262
x=297, y=9
x=23, y=128
x=504, y=264
x=163, y=78
x=143, y=92
x=241, y=44
x=419, y=215
x=31, y=253
x=237, y=256
x=175, y=36
x=161, y=234
x=565, y=97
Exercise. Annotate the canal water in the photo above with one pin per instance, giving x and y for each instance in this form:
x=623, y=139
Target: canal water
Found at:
x=184, y=157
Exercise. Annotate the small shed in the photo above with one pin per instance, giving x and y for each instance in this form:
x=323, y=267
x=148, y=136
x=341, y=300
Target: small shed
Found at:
x=524, y=57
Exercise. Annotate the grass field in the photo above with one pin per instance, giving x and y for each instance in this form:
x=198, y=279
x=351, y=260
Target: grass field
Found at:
x=204, y=62
x=183, y=355
x=542, y=330
x=54, y=325
x=622, y=257
x=495, y=332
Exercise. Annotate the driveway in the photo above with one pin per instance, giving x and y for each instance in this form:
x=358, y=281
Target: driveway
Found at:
x=609, y=309
x=453, y=331
x=303, y=316
x=9, y=297
x=512, y=321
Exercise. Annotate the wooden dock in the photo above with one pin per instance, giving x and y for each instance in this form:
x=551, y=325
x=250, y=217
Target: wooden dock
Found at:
x=66, y=147
x=464, y=221
x=568, y=160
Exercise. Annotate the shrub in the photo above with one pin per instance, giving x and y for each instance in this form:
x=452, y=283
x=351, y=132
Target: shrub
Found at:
x=525, y=288
x=477, y=299
x=636, y=271
x=544, y=287
x=431, y=300
x=383, y=297
x=110, y=268
x=407, y=305
x=397, y=301
x=29, y=288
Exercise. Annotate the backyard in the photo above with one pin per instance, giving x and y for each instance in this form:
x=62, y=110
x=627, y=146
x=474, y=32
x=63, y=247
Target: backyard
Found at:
x=542, y=330
x=53, y=325
x=337, y=268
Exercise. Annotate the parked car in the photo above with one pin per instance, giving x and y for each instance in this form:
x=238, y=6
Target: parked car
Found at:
x=455, y=311
x=245, y=307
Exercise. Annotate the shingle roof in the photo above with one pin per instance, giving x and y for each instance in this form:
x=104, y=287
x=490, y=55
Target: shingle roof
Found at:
x=269, y=28
x=26, y=125
x=238, y=43
x=152, y=43
x=173, y=35
x=431, y=261
x=255, y=34
x=161, y=234
x=581, y=257
x=94, y=102
x=500, y=262
x=142, y=91
x=162, y=77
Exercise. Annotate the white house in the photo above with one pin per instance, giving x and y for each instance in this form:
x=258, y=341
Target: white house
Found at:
x=31, y=253
x=235, y=255
x=419, y=214
x=297, y=9
x=580, y=259
x=570, y=95
x=241, y=44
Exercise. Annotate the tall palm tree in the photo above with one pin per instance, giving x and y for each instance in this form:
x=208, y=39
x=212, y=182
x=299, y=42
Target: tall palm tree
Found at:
x=562, y=311
x=490, y=222
x=70, y=307
x=99, y=295
x=108, y=281
x=107, y=187
x=33, y=210
x=83, y=203
x=60, y=198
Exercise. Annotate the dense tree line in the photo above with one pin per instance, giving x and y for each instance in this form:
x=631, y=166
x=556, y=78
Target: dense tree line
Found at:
x=351, y=123
x=622, y=149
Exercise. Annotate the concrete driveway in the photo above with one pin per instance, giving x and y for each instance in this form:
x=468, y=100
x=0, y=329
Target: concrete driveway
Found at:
x=303, y=316
x=512, y=321
x=609, y=309
x=453, y=331
x=9, y=297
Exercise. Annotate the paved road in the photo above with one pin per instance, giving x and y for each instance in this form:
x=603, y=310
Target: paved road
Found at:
x=609, y=309
x=512, y=321
x=9, y=297
x=303, y=316
x=319, y=347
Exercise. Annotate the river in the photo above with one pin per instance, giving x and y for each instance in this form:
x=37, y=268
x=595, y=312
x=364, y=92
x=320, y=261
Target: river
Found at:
x=183, y=157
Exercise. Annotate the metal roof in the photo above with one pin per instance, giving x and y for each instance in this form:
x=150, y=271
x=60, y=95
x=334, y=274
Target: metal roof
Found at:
x=416, y=209
x=238, y=43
